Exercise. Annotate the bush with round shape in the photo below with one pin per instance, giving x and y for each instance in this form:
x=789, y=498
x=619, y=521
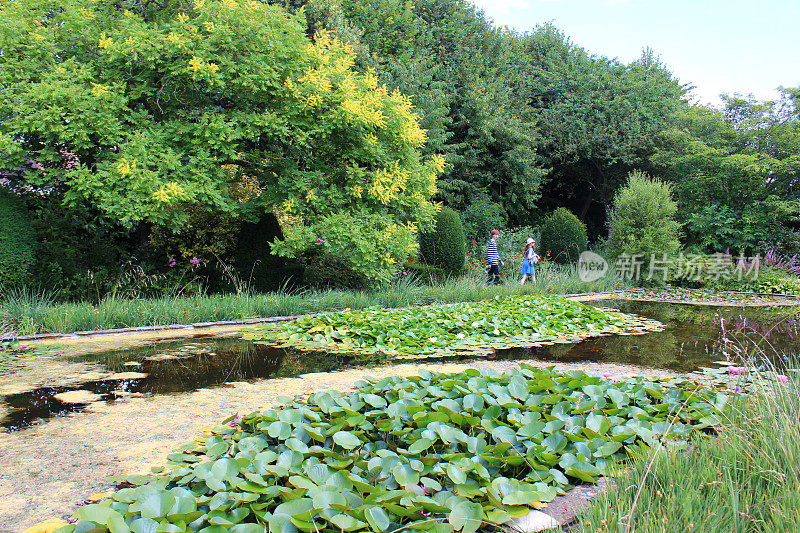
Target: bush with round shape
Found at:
x=446, y=246
x=17, y=242
x=564, y=236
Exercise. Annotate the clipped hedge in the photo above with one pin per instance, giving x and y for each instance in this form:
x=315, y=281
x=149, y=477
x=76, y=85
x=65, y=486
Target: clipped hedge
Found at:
x=564, y=236
x=446, y=246
x=17, y=242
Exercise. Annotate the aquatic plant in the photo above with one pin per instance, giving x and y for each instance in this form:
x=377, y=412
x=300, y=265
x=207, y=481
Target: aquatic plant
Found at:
x=697, y=295
x=436, y=452
x=462, y=328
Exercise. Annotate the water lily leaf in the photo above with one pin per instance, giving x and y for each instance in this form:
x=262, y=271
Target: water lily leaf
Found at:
x=346, y=440
x=281, y=523
x=99, y=514
x=466, y=517
x=420, y=446
x=279, y=430
x=325, y=499
x=607, y=449
x=144, y=525
x=346, y=522
x=456, y=474
x=405, y=475
x=377, y=518
x=298, y=508
x=248, y=528
x=584, y=472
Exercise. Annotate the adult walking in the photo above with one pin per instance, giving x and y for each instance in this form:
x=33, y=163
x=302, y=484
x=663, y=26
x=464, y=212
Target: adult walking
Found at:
x=529, y=258
x=493, y=260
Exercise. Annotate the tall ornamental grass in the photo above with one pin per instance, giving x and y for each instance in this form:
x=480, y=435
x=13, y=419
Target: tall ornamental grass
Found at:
x=745, y=479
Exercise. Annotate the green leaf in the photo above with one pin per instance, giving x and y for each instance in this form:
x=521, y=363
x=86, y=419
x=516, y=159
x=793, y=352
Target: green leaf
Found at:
x=420, y=446
x=607, y=449
x=248, y=528
x=466, y=517
x=377, y=518
x=157, y=505
x=99, y=514
x=458, y=476
x=346, y=440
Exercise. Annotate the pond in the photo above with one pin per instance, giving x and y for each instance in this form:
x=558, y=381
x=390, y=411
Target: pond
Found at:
x=694, y=336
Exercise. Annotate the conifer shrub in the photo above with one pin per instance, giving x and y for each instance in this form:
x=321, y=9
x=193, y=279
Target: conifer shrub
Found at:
x=17, y=242
x=564, y=236
x=446, y=246
x=643, y=220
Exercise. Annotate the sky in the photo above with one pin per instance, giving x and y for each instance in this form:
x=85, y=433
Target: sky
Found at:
x=732, y=46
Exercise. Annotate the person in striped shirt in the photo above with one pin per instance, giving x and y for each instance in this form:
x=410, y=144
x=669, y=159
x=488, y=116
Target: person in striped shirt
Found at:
x=493, y=260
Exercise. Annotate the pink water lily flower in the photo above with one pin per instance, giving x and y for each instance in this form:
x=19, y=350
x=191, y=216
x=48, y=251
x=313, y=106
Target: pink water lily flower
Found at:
x=23, y=346
x=781, y=378
x=606, y=376
x=735, y=370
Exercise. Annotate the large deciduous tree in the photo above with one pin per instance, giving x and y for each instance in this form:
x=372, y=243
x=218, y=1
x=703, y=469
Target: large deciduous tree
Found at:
x=736, y=174
x=156, y=103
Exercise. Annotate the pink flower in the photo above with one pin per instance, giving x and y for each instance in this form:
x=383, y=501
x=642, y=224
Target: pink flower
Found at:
x=781, y=378
x=606, y=376
x=319, y=240
x=172, y=262
x=735, y=370
x=23, y=346
x=235, y=421
x=194, y=261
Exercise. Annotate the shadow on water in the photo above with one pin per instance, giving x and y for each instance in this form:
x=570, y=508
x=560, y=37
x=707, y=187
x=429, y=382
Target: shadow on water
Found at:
x=694, y=336
x=171, y=367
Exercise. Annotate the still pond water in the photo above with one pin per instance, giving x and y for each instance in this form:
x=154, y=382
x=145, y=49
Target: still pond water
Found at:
x=694, y=336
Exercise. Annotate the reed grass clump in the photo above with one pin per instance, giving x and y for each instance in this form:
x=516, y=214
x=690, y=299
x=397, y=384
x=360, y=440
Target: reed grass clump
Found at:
x=745, y=479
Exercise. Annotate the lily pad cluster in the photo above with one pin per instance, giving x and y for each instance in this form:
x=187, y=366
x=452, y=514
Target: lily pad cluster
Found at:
x=712, y=296
x=436, y=452
x=475, y=328
x=743, y=379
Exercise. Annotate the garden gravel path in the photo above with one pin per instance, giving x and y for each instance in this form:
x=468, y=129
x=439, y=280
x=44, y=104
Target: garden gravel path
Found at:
x=47, y=470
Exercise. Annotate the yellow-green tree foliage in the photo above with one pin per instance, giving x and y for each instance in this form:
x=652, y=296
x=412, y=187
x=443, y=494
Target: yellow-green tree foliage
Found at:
x=159, y=103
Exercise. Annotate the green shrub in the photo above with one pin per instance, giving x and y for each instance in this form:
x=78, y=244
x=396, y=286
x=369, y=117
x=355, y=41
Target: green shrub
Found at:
x=17, y=242
x=642, y=219
x=769, y=281
x=326, y=271
x=481, y=217
x=564, y=236
x=446, y=246
x=426, y=273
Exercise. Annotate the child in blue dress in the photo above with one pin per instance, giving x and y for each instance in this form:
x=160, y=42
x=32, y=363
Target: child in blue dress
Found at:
x=529, y=258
